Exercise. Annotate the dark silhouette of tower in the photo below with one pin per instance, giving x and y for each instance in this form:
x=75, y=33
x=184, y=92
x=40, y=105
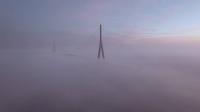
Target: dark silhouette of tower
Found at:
x=101, y=51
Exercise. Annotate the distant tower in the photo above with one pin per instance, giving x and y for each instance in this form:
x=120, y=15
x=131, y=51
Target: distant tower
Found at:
x=101, y=51
x=54, y=46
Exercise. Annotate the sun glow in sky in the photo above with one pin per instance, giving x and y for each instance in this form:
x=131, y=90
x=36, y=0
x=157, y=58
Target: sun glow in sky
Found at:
x=147, y=17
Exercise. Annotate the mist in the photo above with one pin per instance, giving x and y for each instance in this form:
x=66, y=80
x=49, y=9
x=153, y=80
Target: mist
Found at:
x=49, y=63
x=143, y=75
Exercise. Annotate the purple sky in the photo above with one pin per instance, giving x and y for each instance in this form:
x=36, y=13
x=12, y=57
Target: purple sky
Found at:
x=148, y=17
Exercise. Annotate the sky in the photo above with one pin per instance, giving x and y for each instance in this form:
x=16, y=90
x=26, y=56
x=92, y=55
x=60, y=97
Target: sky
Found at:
x=130, y=17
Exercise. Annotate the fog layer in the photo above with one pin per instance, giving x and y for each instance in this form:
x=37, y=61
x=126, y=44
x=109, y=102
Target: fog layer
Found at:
x=143, y=75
